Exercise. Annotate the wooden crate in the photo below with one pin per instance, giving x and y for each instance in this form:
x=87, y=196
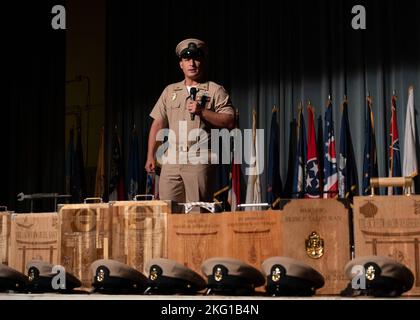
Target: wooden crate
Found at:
x=193, y=238
x=139, y=231
x=33, y=236
x=248, y=236
x=4, y=236
x=328, y=250
x=84, y=237
x=389, y=226
x=255, y=236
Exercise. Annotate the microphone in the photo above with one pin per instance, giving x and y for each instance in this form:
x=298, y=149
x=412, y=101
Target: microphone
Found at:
x=193, y=93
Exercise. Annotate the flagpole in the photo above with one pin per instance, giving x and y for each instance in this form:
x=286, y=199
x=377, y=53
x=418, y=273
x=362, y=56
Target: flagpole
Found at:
x=343, y=102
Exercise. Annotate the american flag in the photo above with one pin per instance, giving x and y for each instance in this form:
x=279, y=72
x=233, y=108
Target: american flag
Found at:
x=330, y=158
x=312, y=174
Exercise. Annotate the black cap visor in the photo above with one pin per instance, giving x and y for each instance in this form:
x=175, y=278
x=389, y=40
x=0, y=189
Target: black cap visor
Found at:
x=191, y=54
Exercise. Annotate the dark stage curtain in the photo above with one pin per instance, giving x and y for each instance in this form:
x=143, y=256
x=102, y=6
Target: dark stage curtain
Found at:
x=268, y=53
x=32, y=111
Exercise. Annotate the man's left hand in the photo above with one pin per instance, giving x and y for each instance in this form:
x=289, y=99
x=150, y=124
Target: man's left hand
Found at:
x=194, y=107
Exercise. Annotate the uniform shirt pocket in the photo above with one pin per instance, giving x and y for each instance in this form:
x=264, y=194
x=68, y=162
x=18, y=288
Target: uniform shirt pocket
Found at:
x=209, y=103
x=175, y=105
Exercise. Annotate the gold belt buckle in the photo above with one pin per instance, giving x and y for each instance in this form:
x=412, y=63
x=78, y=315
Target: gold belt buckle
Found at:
x=183, y=148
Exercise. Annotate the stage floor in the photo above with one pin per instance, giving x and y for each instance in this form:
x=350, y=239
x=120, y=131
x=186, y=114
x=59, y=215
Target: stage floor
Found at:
x=96, y=296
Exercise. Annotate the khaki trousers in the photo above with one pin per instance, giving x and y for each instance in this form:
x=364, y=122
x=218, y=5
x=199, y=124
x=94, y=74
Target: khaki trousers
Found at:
x=187, y=182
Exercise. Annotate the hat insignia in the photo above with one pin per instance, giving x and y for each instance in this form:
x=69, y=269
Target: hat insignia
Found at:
x=370, y=273
x=276, y=274
x=314, y=246
x=100, y=276
x=153, y=274
x=31, y=275
x=218, y=275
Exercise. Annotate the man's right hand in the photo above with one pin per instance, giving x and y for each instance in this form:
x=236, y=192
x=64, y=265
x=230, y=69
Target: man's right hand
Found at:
x=157, y=124
x=150, y=165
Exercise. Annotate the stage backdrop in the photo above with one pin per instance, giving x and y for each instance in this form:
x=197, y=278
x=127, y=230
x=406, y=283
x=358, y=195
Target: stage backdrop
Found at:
x=32, y=109
x=269, y=54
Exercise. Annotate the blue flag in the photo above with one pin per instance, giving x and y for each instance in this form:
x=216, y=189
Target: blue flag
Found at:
x=288, y=187
x=370, y=159
x=222, y=182
x=133, y=166
x=116, y=188
x=274, y=183
x=300, y=158
x=347, y=173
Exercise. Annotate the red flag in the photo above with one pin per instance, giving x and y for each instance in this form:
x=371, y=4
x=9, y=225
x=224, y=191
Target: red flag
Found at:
x=394, y=148
x=312, y=175
x=235, y=194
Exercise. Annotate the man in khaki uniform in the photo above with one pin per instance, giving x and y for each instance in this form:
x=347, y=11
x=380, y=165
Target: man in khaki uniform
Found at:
x=187, y=175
